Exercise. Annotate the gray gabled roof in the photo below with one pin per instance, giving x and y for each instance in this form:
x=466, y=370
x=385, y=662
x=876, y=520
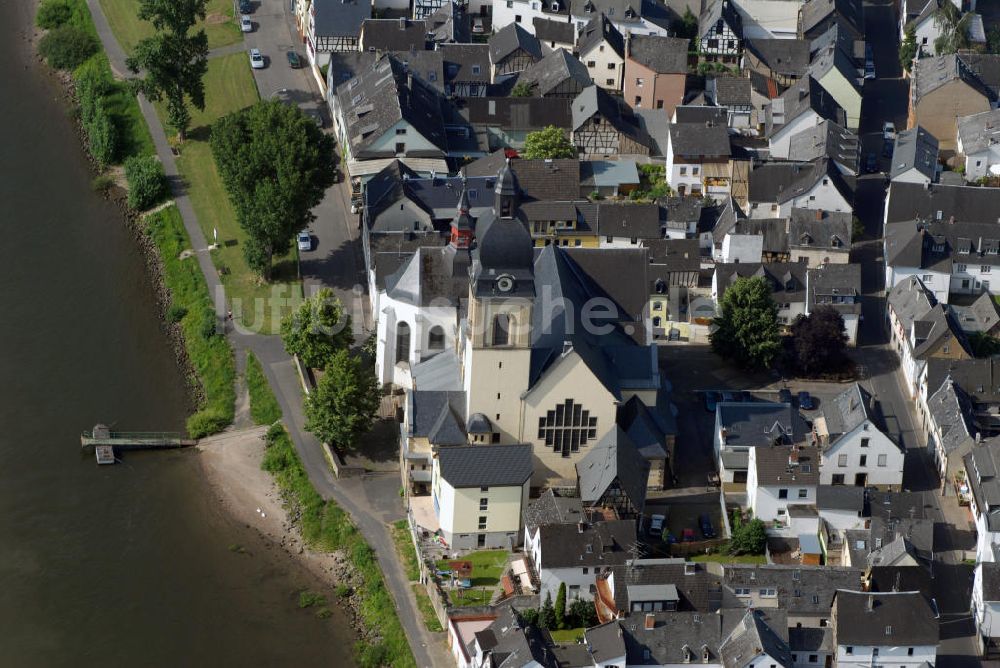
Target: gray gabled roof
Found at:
x=982, y=315
x=663, y=55
x=840, y=497
x=586, y=544
x=394, y=34
x=781, y=465
x=485, y=465
x=814, y=12
x=982, y=465
x=339, y=18
x=595, y=100
x=673, y=638
x=438, y=416
x=816, y=228
x=614, y=458
x=910, y=201
x=884, y=619
x=979, y=131
x=789, y=57
x=554, y=69
x=915, y=149
x=551, y=509
x=826, y=138
x=753, y=635
x=807, y=94
x=760, y=423
x=787, y=280
x=550, y=30
x=848, y=410
x=780, y=181
x=832, y=58
x=699, y=140
x=837, y=286
x=952, y=413
x=509, y=39
x=931, y=73
x=732, y=91
x=600, y=30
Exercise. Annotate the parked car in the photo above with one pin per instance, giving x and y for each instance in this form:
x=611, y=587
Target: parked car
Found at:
x=806, y=401
x=656, y=524
x=256, y=60
x=305, y=241
x=669, y=538
x=784, y=396
x=245, y=7
x=711, y=400
x=889, y=131
x=246, y=25
x=706, y=526
x=871, y=163
x=316, y=116
x=293, y=60
x=887, y=149
x=687, y=536
x=478, y=26
x=869, y=70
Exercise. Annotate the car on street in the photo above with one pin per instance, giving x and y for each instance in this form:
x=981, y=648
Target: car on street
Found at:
x=245, y=7
x=871, y=163
x=315, y=115
x=888, y=131
x=246, y=25
x=887, y=149
x=711, y=400
x=705, y=522
x=656, y=524
x=256, y=60
x=305, y=240
x=293, y=60
x=784, y=396
x=806, y=401
x=478, y=26
x=869, y=62
x=687, y=536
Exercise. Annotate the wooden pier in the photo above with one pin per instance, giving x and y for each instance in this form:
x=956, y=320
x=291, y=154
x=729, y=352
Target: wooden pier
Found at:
x=106, y=442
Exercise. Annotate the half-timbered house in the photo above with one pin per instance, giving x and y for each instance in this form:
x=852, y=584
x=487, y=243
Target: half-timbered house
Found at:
x=602, y=48
x=720, y=32
x=466, y=69
x=512, y=50
x=614, y=475
x=603, y=126
x=558, y=74
x=334, y=25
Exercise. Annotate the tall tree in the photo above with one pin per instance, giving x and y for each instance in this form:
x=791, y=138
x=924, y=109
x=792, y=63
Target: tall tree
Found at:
x=317, y=329
x=172, y=62
x=547, y=616
x=560, y=608
x=747, y=325
x=342, y=407
x=908, y=48
x=275, y=164
x=548, y=143
x=954, y=27
x=819, y=341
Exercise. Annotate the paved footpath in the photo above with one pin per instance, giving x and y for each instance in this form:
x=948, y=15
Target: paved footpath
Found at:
x=372, y=501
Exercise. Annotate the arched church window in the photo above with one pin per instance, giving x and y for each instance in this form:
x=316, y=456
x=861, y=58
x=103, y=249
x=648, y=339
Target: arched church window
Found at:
x=402, y=342
x=435, y=339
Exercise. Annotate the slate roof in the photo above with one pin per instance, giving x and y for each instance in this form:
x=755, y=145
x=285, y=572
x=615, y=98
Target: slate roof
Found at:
x=881, y=619
x=979, y=378
x=801, y=590
x=519, y=113
x=647, y=428
x=915, y=149
x=788, y=57
x=386, y=189
x=674, y=255
x=760, y=423
x=624, y=219
x=982, y=315
x=432, y=276
x=551, y=509
x=931, y=73
x=951, y=411
x=459, y=60
x=983, y=465
x=448, y=24
x=826, y=139
x=509, y=39
x=816, y=228
x=578, y=545
x=807, y=94
x=663, y=55
x=554, y=69
x=939, y=245
x=613, y=458
x=811, y=640
x=848, y=410
x=394, y=34
x=339, y=18
x=508, y=641
x=909, y=201
x=595, y=100
x=979, y=131
x=832, y=58
x=787, y=280
x=781, y=181
x=732, y=91
x=550, y=30
x=754, y=634
x=544, y=180
x=598, y=31
x=814, y=12
x=840, y=497
x=837, y=286
x=991, y=580
x=438, y=416
x=699, y=113
x=486, y=465
x=698, y=590
x=443, y=371
x=605, y=642
x=774, y=466
x=378, y=98
x=670, y=634
x=699, y=140
x=724, y=10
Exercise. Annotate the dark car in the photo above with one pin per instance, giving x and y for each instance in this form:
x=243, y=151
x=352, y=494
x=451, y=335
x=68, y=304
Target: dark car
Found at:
x=887, y=149
x=245, y=7
x=806, y=401
x=687, y=536
x=294, y=60
x=785, y=395
x=706, y=526
x=711, y=400
x=871, y=163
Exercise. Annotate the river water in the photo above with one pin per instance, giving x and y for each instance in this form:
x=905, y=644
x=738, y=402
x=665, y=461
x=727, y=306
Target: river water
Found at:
x=130, y=564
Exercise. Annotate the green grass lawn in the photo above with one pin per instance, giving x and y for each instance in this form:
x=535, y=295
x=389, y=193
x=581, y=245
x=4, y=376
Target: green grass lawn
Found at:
x=487, y=567
x=567, y=635
x=426, y=609
x=404, y=547
x=123, y=16
x=729, y=559
x=229, y=87
x=264, y=408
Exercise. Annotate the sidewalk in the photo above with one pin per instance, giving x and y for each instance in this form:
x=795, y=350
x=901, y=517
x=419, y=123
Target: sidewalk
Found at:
x=428, y=649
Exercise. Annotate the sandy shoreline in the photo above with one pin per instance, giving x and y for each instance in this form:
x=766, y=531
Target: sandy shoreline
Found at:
x=231, y=465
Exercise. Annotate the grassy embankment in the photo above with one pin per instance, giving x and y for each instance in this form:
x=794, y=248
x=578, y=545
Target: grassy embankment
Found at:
x=123, y=17
x=264, y=408
x=229, y=87
x=208, y=350
x=325, y=526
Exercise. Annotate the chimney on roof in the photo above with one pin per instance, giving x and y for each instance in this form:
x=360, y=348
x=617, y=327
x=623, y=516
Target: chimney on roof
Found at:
x=402, y=23
x=819, y=214
x=793, y=457
x=951, y=220
x=581, y=527
x=870, y=603
x=650, y=621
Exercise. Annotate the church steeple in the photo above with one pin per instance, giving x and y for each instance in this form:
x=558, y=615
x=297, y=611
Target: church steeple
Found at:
x=462, y=232
x=506, y=192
